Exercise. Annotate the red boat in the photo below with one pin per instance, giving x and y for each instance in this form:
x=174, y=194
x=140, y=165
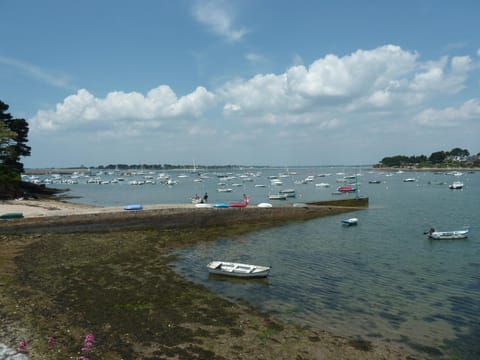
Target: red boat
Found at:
x=346, y=188
x=237, y=204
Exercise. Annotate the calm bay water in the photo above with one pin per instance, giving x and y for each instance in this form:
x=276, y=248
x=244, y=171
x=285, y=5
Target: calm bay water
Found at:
x=382, y=280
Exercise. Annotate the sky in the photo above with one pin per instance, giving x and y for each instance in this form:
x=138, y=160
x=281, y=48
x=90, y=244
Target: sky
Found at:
x=249, y=82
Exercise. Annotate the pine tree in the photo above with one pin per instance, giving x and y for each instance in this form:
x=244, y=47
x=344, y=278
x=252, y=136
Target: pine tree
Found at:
x=13, y=141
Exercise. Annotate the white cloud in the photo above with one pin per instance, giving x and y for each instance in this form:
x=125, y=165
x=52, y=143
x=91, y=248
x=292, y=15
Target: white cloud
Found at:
x=120, y=110
x=51, y=78
x=255, y=58
x=385, y=85
x=387, y=77
x=436, y=76
x=449, y=117
x=330, y=81
x=219, y=18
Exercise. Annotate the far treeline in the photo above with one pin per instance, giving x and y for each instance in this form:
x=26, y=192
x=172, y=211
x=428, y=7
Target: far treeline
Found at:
x=164, y=167
x=455, y=158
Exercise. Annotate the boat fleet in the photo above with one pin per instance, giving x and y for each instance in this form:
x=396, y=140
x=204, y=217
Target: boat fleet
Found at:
x=283, y=186
x=227, y=182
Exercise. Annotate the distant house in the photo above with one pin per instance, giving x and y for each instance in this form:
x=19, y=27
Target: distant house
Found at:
x=458, y=158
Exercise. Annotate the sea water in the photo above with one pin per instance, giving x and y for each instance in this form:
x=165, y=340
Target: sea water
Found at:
x=382, y=280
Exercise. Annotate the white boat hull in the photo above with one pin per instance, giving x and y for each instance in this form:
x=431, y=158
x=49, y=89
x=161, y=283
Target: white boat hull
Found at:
x=237, y=269
x=457, y=185
x=448, y=235
x=350, y=222
x=278, y=197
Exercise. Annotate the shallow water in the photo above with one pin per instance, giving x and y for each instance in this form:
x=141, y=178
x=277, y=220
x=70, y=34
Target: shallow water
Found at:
x=382, y=280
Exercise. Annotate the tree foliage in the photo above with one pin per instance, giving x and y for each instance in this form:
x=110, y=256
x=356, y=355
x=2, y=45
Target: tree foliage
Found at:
x=454, y=157
x=437, y=157
x=13, y=144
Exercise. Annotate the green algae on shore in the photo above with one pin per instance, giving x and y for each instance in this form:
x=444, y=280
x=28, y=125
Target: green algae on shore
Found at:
x=119, y=285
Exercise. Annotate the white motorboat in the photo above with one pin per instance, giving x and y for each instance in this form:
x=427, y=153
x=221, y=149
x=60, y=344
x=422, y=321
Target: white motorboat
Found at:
x=456, y=185
x=350, y=222
x=237, y=269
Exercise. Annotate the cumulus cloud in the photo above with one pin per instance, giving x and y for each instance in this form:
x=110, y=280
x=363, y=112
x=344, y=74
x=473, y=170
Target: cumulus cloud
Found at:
x=219, y=18
x=329, y=81
x=449, y=117
x=443, y=75
x=387, y=77
x=386, y=81
x=124, y=110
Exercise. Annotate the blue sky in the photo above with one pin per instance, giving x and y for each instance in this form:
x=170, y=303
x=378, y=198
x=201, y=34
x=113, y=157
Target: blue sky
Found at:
x=267, y=82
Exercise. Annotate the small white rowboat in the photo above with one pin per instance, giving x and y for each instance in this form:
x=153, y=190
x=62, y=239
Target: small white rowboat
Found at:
x=447, y=235
x=237, y=269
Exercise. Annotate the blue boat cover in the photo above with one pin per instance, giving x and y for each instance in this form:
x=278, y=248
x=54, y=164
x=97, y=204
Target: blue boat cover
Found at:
x=133, y=207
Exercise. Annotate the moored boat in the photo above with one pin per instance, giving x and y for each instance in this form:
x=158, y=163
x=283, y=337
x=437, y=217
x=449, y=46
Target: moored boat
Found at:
x=456, y=185
x=349, y=222
x=288, y=192
x=447, y=235
x=277, y=196
x=346, y=189
x=237, y=269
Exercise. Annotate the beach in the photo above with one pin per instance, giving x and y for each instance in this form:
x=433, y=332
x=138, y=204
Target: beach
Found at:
x=70, y=269
x=48, y=208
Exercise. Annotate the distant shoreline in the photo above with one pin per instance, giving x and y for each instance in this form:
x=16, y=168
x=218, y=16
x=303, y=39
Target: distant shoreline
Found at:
x=434, y=169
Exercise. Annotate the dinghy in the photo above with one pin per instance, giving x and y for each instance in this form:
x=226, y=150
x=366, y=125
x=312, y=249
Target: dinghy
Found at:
x=221, y=205
x=237, y=269
x=237, y=204
x=350, y=222
x=133, y=207
x=204, y=206
x=447, y=235
x=264, y=205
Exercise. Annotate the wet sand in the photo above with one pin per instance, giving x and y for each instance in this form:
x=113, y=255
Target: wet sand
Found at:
x=67, y=269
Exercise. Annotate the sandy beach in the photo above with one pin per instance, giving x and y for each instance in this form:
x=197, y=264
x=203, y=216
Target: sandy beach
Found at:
x=45, y=208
